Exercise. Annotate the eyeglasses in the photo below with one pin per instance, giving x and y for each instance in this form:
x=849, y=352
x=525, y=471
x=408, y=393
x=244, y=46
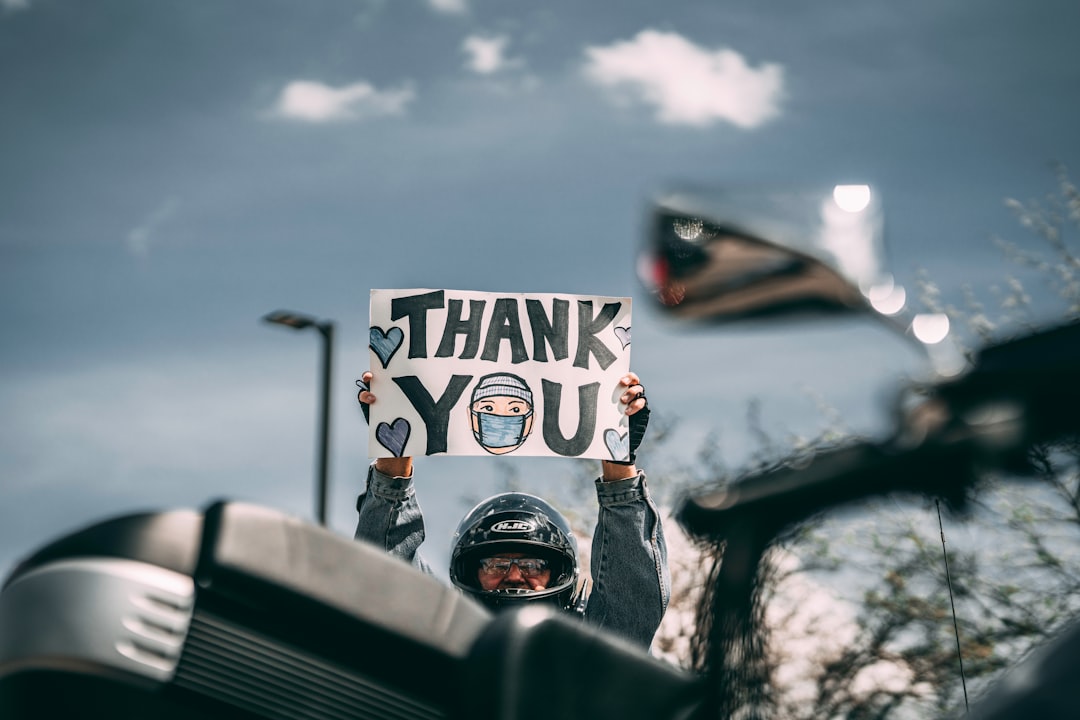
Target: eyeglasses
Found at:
x=498, y=567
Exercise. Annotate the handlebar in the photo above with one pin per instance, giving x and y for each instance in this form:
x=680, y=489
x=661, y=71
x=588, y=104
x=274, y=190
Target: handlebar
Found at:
x=1016, y=394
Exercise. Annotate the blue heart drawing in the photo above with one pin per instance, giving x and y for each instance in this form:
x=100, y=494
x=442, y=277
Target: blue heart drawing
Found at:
x=623, y=333
x=618, y=444
x=394, y=436
x=385, y=344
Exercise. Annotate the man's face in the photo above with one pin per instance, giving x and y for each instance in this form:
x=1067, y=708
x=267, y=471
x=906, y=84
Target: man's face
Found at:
x=500, y=408
x=493, y=577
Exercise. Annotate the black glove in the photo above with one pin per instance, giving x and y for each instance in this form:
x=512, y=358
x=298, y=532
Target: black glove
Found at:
x=364, y=407
x=639, y=422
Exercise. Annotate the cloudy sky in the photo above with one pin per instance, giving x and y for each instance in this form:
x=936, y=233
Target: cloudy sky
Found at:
x=171, y=171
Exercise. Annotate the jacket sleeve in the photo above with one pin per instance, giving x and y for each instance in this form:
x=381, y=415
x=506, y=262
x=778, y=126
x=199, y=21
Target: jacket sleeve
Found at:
x=631, y=580
x=390, y=517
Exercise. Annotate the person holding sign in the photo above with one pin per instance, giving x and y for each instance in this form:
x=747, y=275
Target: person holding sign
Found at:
x=516, y=548
x=479, y=373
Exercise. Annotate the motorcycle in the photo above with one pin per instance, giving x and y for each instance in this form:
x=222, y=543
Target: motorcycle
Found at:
x=239, y=611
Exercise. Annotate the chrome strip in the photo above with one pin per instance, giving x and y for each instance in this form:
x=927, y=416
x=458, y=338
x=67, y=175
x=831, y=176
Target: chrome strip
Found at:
x=97, y=616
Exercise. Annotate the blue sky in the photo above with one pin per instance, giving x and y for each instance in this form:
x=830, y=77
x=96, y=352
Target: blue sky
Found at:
x=171, y=171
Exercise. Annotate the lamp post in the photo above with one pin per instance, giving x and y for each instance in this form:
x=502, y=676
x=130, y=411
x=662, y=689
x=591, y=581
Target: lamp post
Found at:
x=297, y=321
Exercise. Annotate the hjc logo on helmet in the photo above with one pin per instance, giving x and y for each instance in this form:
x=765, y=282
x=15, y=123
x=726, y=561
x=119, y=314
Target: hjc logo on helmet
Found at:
x=515, y=526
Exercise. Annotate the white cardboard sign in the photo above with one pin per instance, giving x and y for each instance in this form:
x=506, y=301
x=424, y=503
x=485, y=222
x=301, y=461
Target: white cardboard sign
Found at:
x=480, y=373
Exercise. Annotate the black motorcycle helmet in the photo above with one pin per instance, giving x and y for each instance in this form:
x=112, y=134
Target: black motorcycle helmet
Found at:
x=518, y=523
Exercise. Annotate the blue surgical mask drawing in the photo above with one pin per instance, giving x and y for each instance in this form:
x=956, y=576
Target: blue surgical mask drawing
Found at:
x=501, y=431
x=501, y=412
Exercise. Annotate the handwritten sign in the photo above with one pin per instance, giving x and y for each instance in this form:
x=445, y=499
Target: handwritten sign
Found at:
x=478, y=373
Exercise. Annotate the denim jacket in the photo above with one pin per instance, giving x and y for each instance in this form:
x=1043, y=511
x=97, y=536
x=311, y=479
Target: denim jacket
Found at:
x=631, y=584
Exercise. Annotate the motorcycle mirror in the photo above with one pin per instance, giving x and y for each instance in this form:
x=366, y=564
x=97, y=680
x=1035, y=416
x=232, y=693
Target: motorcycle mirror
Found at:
x=730, y=254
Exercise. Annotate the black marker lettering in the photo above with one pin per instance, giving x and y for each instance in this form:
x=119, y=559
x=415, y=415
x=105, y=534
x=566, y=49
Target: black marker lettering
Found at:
x=588, y=327
x=505, y=325
x=456, y=326
x=436, y=415
x=416, y=307
x=556, y=332
x=553, y=436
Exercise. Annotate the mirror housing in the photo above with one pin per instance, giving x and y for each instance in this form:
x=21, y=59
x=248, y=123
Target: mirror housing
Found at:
x=728, y=254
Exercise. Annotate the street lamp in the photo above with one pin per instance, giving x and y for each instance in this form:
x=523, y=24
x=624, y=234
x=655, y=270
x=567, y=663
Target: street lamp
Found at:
x=297, y=321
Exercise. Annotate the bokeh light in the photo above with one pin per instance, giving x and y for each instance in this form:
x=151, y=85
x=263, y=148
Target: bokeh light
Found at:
x=930, y=328
x=852, y=198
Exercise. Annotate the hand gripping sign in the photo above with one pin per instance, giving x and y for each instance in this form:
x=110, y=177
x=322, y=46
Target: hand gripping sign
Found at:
x=478, y=373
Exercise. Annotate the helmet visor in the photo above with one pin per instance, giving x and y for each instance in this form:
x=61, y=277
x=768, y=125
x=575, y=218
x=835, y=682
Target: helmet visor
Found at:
x=506, y=566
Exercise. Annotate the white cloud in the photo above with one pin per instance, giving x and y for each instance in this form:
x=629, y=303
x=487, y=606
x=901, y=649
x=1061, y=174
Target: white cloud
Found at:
x=140, y=237
x=486, y=54
x=685, y=83
x=314, y=102
x=449, y=7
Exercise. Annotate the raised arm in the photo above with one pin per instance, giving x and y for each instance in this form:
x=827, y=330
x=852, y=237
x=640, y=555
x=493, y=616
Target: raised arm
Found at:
x=632, y=584
x=388, y=512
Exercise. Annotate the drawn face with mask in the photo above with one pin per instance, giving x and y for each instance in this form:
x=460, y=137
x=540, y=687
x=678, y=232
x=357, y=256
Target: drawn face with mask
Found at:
x=501, y=412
